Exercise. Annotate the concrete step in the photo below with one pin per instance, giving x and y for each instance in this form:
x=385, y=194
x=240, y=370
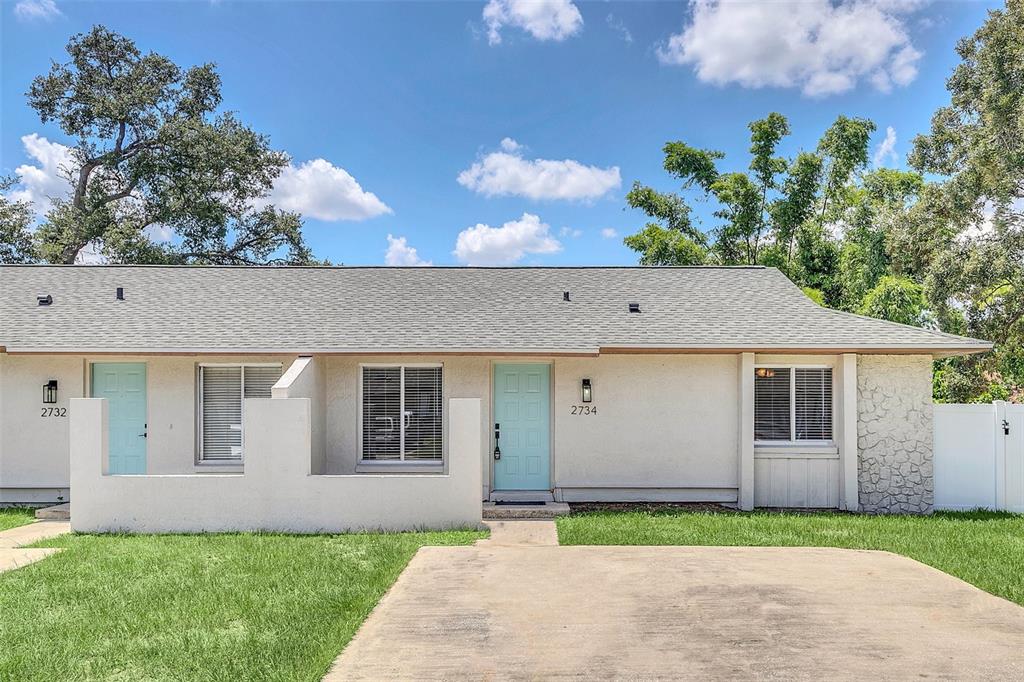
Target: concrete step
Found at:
x=59, y=512
x=522, y=496
x=547, y=510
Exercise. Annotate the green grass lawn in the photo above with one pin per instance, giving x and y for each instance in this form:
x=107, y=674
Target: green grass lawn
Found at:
x=196, y=607
x=16, y=516
x=985, y=549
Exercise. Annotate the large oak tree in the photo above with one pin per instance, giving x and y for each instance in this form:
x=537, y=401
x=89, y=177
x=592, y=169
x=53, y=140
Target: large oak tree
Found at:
x=155, y=154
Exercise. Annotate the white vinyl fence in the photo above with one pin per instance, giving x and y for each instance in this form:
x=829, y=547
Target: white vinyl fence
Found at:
x=979, y=456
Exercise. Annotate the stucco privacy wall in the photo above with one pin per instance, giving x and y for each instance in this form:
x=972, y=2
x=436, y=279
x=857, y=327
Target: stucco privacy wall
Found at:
x=305, y=379
x=894, y=433
x=34, y=449
x=276, y=492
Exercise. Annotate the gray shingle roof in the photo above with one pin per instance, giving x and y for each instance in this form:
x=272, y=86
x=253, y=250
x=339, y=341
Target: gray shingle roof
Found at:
x=359, y=309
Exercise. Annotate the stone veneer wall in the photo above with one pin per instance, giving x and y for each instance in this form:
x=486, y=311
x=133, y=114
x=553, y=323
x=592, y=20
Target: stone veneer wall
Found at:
x=894, y=434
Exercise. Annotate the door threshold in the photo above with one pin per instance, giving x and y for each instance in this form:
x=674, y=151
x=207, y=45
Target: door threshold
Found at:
x=522, y=496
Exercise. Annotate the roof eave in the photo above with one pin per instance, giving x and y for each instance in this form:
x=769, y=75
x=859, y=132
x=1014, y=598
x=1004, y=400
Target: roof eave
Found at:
x=938, y=350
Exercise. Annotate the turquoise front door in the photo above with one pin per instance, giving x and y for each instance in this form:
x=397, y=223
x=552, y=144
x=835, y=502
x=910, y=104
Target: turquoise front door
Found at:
x=123, y=384
x=522, y=405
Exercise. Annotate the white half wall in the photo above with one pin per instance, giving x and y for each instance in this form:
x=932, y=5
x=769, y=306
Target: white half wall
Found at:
x=276, y=492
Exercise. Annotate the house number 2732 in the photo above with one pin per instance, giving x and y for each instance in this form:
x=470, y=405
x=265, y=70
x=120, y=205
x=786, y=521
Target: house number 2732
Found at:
x=54, y=412
x=583, y=410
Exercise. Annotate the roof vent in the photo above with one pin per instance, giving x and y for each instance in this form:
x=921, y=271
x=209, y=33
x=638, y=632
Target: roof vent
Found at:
x=120, y=293
x=565, y=296
x=634, y=307
x=44, y=300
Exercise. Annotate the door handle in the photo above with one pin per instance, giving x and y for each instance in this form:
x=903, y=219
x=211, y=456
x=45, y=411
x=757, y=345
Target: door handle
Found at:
x=143, y=435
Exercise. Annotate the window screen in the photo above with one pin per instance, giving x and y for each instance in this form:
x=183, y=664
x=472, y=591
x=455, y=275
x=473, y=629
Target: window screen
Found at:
x=221, y=406
x=402, y=414
x=793, y=404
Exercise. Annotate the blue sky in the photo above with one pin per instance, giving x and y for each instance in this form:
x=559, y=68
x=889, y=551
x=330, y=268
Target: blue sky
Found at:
x=505, y=131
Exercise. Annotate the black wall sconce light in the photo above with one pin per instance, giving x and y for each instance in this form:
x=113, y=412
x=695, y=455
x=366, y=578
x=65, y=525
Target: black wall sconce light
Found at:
x=50, y=392
x=586, y=391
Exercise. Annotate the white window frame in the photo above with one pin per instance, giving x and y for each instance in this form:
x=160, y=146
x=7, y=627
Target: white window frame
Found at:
x=401, y=461
x=200, y=459
x=792, y=407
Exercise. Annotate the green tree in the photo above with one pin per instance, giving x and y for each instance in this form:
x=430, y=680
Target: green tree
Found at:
x=152, y=151
x=843, y=149
x=671, y=238
x=877, y=220
x=896, y=299
x=16, y=245
x=774, y=213
x=796, y=205
x=977, y=143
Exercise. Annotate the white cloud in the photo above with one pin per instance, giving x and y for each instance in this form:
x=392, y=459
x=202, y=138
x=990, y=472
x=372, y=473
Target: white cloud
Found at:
x=819, y=46
x=400, y=253
x=47, y=179
x=505, y=245
x=37, y=10
x=510, y=145
x=609, y=233
x=319, y=189
x=573, y=232
x=542, y=19
x=507, y=173
x=886, y=150
x=615, y=24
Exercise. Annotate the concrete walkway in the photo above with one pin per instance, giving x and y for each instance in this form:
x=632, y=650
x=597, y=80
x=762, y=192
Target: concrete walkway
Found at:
x=13, y=554
x=498, y=611
x=521, y=533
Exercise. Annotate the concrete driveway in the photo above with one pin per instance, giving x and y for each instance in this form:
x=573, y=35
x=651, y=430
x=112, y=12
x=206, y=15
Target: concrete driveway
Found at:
x=529, y=612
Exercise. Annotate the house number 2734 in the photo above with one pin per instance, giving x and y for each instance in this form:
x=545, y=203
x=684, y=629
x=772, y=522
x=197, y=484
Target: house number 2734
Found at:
x=583, y=410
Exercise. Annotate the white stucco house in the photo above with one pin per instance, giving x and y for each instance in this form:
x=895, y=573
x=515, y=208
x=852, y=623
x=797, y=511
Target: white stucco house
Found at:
x=213, y=398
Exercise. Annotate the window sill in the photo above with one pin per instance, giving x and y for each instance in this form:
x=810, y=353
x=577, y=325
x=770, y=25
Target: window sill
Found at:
x=399, y=467
x=219, y=467
x=783, y=450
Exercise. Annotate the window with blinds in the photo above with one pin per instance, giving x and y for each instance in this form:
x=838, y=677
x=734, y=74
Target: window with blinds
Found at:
x=793, y=404
x=222, y=390
x=401, y=414
x=772, y=405
x=812, y=394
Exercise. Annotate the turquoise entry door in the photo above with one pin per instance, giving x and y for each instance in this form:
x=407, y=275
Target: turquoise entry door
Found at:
x=522, y=413
x=123, y=384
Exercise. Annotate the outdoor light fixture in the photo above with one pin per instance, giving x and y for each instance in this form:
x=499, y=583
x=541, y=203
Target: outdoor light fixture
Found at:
x=764, y=372
x=586, y=391
x=50, y=392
